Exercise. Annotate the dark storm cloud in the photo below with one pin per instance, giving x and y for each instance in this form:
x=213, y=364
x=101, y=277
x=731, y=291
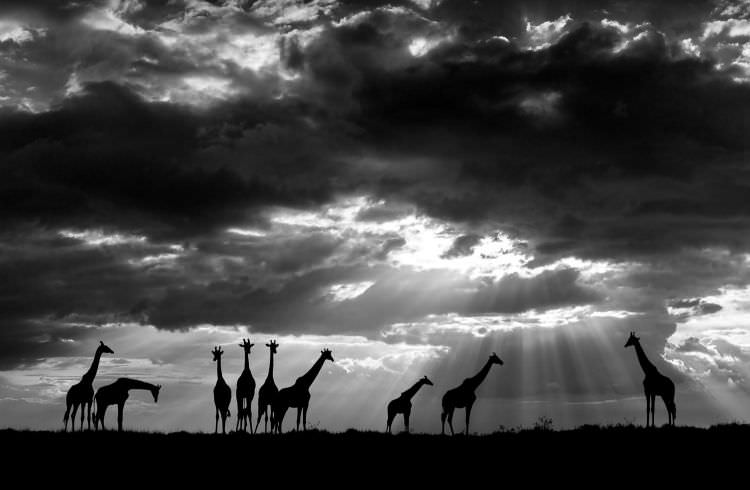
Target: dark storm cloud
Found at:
x=601, y=145
x=397, y=296
x=463, y=245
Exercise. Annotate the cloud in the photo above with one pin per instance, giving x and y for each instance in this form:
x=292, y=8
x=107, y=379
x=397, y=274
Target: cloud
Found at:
x=469, y=176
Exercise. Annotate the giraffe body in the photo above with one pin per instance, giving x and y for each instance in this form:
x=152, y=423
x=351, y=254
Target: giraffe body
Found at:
x=463, y=396
x=245, y=392
x=297, y=396
x=81, y=394
x=268, y=391
x=402, y=404
x=654, y=384
x=222, y=394
x=117, y=394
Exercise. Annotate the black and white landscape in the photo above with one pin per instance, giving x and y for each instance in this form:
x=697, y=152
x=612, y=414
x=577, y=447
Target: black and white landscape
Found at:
x=414, y=185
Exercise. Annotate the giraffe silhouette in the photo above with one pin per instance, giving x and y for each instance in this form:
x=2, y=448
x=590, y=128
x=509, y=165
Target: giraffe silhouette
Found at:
x=402, y=404
x=245, y=392
x=268, y=391
x=116, y=394
x=654, y=384
x=222, y=394
x=297, y=395
x=82, y=393
x=463, y=396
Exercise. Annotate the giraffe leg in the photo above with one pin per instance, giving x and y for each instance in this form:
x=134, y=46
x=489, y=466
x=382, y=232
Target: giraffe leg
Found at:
x=304, y=418
x=239, y=415
x=83, y=415
x=260, y=415
x=299, y=413
x=216, y=426
x=88, y=416
x=407, y=414
x=223, y=422
x=468, y=417
x=450, y=420
x=653, y=409
x=389, y=422
x=120, y=409
x=648, y=408
x=73, y=417
x=67, y=413
x=101, y=411
x=249, y=416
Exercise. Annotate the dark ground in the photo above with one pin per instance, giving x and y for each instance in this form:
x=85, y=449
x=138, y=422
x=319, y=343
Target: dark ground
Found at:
x=587, y=456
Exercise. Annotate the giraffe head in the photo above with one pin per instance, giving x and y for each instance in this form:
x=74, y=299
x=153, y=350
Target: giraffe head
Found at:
x=426, y=381
x=155, y=393
x=632, y=340
x=273, y=346
x=104, y=349
x=246, y=345
x=217, y=352
x=495, y=360
x=326, y=355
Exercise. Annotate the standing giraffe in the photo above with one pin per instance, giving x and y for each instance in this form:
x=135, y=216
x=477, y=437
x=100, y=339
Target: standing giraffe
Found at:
x=463, y=396
x=297, y=395
x=82, y=393
x=268, y=391
x=116, y=394
x=654, y=384
x=245, y=392
x=402, y=404
x=222, y=394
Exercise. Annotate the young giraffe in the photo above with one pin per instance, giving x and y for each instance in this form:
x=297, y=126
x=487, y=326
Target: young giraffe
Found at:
x=463, y=395
x=245, y=392
x=268, y=391
x=297, y=395
x=654, y=384
x=222, y=394
x=402, y=404
x=116, y=394
x=82, y=393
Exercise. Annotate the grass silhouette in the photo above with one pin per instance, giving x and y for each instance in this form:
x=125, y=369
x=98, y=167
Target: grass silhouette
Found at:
x=540, y=453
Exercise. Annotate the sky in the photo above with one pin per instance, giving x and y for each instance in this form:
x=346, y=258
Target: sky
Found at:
x=412, y=184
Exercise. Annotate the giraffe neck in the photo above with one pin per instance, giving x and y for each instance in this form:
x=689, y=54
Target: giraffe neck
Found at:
x=408, y=394
x=91, y=373
x=247, y=361
x=135, y=384
x=307, y=379
x=218, y=369
x=477, y=379
x=270, y=368
x=646, y=365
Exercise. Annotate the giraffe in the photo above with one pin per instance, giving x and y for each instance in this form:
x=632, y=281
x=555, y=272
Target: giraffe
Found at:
x=116, y=394
x=82, y=393
x=297, y=395
x=654, y=384
x=222, y=394
x=402, y=404
x=267, y=391
x=245, y=392
x=463, y=396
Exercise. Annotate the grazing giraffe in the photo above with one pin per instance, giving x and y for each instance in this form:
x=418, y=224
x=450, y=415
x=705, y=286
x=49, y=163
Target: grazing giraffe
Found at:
x=654, y=384
x=268, y=391
x=222, y=394
x=82, y=393
x=463, y=396
x=297, y=395
x=245, y=392
x=116, y=394
x=402, y=404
